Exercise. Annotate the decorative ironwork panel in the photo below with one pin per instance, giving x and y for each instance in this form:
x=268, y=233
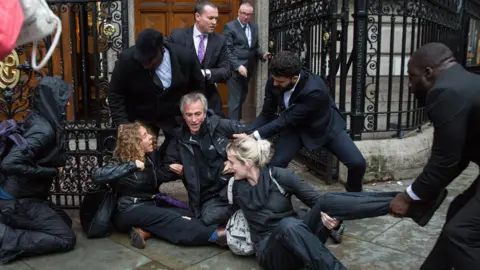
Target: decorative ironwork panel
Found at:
x=396, y=28
x=94, y=34
x=310, y=28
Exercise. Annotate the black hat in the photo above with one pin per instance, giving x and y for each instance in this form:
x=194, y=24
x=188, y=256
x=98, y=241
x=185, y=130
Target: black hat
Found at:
x=147, y=44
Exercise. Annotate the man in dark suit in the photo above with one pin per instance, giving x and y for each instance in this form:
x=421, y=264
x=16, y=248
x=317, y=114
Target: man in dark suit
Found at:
x=307, y=117
x=149, y=80
x=243, y=48
x=210, y=49
x=452, y=100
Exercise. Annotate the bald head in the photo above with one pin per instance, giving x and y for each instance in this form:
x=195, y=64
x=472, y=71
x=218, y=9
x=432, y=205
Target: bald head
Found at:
x=425, y=66
x=432, y=55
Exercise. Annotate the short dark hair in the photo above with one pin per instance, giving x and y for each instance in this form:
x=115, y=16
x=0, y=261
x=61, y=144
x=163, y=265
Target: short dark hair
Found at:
x=285, y=64
x=147, y=45
x=200, y=6
x=431, y=55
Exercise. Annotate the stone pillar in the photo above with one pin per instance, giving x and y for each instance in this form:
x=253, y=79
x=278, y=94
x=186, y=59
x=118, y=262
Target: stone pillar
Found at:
x=131, y=22
x=254, y=101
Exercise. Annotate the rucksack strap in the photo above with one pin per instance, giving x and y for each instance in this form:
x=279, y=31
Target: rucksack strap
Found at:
x=280, y=188
x=9, y=128
x=230, y=189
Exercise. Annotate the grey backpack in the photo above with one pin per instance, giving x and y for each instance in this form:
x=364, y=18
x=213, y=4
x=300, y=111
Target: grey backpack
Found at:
x=238, y=232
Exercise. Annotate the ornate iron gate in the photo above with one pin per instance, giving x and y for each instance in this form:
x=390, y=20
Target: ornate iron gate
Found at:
x=94, y=34
x=374, y=94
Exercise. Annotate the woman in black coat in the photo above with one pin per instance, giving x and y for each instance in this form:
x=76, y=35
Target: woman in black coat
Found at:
x=134, y=178
x=282, y=240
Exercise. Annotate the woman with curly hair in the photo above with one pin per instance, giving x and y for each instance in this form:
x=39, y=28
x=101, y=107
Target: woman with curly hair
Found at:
x=133, y=177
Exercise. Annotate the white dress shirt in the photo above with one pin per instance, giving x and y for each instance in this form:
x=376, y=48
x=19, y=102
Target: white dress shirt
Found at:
x=196, y=41
x=248, y=32
x=286, y=99
x=164, y=71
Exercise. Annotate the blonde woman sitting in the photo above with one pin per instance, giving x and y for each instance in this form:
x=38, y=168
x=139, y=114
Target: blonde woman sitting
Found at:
x=281, y=239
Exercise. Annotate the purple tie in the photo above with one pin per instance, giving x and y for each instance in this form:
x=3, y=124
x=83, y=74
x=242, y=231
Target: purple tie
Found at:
x=201, y=48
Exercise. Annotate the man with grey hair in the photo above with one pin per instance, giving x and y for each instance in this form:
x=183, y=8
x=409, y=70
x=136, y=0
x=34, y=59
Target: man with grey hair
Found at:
x=244, y=51
x=197, y=154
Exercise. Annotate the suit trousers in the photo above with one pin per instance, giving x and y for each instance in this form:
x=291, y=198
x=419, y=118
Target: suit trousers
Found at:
x=289, y=144
x=165, y=223
x=237, y=93
x=293, y=245
x=32, y=227
x=458, y=246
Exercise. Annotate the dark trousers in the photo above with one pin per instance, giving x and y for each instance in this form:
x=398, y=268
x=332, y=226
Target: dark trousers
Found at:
x=237, y=93
x=215, y=102
x=293, y=245
x=289, y=144
x=165, y=223
x=32, y=227
x=216, y=211
x=458, y=246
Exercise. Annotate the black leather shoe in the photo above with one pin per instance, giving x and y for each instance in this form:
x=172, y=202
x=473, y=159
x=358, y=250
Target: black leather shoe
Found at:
x=422, y=211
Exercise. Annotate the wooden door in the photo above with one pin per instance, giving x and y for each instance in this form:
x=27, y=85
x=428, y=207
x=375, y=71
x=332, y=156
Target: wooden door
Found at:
x=166, y=15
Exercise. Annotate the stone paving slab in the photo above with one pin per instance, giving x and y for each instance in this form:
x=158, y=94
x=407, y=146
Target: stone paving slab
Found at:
x=357, y=254
x=90, y=254
x=377, y=243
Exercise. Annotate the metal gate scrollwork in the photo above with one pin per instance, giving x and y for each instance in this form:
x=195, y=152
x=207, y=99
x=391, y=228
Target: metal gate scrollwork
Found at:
x=94, y=34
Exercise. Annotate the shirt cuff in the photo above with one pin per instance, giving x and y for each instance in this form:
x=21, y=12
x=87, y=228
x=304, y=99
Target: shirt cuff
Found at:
x=412, y=194
x=257, y=135
x=208, y=74
x=203, y=72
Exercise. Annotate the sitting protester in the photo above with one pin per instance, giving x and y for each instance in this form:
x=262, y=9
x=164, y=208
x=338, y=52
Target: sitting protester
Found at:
x=280, y=239
x=29, y=224
x=197, y=154
x=133, y=177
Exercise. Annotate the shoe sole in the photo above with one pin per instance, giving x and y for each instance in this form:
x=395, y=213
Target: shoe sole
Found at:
x=136, y=240
x=426, y=218
x=340, y=231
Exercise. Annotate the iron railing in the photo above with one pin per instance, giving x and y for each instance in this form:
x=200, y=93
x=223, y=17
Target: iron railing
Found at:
x=361, y=49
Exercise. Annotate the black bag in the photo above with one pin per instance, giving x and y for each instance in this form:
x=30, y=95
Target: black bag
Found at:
x=96, y=211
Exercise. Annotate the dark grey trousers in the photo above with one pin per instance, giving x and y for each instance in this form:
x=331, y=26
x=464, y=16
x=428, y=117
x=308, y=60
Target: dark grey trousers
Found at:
x=294, y=245
x=32, y=227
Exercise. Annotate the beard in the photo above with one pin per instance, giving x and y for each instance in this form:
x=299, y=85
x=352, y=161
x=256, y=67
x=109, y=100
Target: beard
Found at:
x=421, y=97
x=287, y=87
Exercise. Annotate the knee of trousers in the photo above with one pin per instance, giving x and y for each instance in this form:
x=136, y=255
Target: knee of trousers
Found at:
x=69, y=240
x=289, y=226
x=359, y=164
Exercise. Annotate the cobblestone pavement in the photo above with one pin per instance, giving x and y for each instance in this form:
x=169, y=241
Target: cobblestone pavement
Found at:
x=377, y=243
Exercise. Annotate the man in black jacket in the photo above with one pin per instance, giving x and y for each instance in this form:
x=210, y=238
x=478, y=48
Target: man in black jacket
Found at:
x=452, y=100
x=210, y=49
x=148, y=81
x=198, y=154
x=298, y=107
x=29, y=224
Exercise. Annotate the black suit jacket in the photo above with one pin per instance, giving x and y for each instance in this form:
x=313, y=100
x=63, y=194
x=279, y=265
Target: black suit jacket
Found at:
x=311, y=112
x=453, y=106
x=133, y=95
x=216, y=55
x=237, y=44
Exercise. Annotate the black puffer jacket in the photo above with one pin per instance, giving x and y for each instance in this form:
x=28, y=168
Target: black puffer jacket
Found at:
x=30, y=173
x=127, y=180
x=180, y=151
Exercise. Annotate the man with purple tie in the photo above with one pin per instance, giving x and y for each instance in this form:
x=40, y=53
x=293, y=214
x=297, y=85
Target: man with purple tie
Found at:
x=210, y=49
